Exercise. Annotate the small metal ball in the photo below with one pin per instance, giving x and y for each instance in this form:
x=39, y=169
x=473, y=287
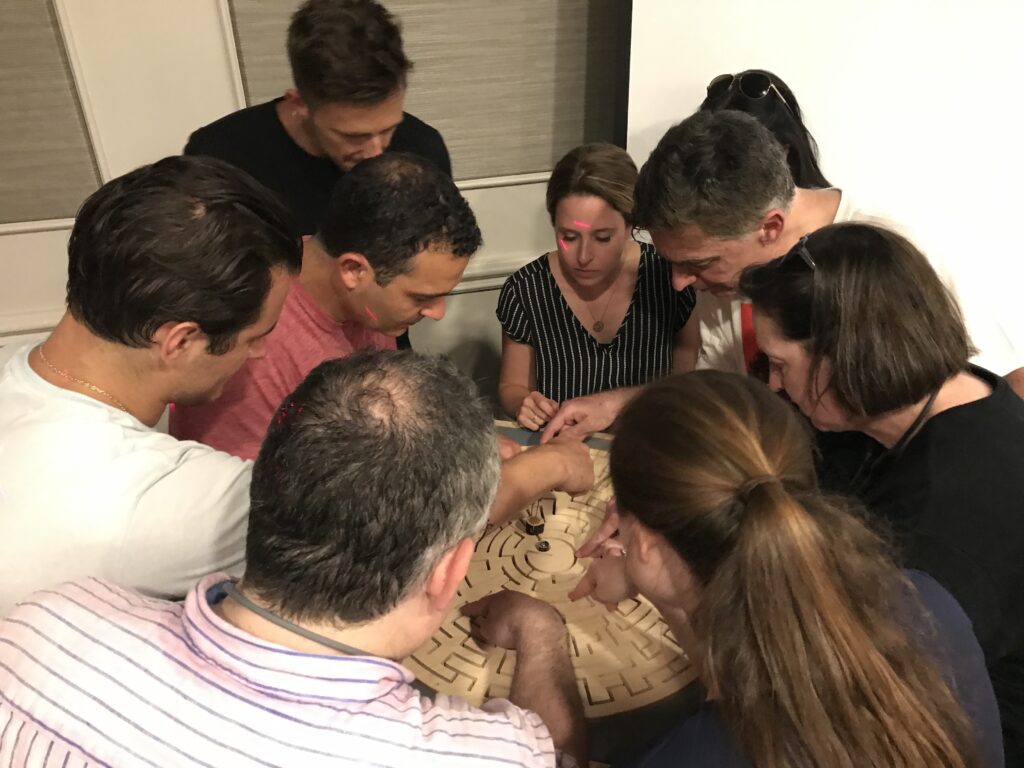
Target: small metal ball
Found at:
x=543, y=545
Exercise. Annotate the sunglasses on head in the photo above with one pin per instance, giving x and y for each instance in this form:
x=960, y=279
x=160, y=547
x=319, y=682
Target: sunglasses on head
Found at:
x=753, y=85
x=801, y=250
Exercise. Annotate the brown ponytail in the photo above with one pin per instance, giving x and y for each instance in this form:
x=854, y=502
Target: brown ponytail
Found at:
x=801, y=606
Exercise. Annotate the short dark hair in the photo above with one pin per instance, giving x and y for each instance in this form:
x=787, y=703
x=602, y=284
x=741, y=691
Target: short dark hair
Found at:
x=372, y=468
x=719, y=170
x=873, y=307
x=390, y=208
x=347, y=51
x=786, y=122
x=183, y=239
x=598, y=170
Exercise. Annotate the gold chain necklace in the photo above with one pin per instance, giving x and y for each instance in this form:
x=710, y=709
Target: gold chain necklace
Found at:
x=81, y=382
x=598, y=325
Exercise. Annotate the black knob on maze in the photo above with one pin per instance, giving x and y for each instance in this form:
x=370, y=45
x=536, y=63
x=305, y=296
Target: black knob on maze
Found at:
x=534, y=525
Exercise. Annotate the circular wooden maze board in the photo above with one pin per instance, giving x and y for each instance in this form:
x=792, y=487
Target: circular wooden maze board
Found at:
x=623, y=659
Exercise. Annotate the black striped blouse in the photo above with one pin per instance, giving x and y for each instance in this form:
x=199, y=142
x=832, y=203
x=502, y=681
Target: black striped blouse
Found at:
x=572, y=363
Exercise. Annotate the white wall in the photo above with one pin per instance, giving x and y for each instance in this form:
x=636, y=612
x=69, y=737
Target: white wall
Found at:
x=914, y=104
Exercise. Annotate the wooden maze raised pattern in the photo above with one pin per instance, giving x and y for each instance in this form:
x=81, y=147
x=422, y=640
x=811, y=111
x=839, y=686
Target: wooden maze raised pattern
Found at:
x=623, y=659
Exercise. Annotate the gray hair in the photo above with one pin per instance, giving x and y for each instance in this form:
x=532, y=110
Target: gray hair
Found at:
x=372, y=468
x=721, y=171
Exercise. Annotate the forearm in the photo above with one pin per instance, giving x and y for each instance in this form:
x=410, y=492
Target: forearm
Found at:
x=544, y=682
x=618, y=399
x=687, y=349
x=524, y=478
x=511, y=397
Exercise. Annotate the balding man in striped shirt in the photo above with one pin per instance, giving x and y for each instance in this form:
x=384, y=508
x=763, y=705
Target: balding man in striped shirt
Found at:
x=376, y=474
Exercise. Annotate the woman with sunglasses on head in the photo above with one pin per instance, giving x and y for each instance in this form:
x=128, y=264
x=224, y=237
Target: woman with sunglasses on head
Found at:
x=766, y=96
x=815, y=650
x=597, y=314
x=862, y=336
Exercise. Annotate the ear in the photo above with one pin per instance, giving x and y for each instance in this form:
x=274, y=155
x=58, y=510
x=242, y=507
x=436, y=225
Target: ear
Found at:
x=446, y=576
x=296, y=104
x=353, y=269
x=175, y=341
x=642, y=542
x=772, y=225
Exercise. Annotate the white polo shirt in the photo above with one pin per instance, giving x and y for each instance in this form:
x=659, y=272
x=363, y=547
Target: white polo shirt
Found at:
x=88, y=490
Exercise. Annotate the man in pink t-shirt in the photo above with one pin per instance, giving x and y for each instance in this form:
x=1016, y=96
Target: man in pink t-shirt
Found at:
x=395, y=241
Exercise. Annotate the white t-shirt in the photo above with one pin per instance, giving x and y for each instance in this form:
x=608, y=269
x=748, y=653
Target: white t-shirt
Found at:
x=721, y=328
x=88, y=490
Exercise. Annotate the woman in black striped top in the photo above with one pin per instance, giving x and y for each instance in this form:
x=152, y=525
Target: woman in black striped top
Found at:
x=597, y=314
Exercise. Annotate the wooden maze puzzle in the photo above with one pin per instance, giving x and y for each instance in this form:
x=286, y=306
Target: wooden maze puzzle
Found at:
x=623, y=659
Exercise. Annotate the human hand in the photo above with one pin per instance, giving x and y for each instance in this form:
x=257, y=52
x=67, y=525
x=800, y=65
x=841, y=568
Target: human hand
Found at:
x=576, y=471
x=581, y=416
x=503, y=618
x=507, y=447
x=609, y=525
x=606, y=580
x=535, y=411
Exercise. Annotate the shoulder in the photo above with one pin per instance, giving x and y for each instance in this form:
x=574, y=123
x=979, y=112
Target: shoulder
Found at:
x=224, y=135
x=539, y=267
x=78, y=607
x=518, y=735
x=420, y=138
x=413, y=130
x=703, y=736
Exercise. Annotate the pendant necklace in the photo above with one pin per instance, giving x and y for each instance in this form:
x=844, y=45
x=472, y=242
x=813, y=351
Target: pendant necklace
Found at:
x=598, y=325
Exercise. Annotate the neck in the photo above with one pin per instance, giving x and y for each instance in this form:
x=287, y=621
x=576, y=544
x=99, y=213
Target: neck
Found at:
x=678, y=620
x=118, y=370
x=295, y=126
x=319, y=276
x=810, y=210
x=961, y=389
x=386, y=637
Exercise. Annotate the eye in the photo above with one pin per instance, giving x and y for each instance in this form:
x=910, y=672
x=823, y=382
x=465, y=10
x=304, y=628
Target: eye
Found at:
x=604, y=239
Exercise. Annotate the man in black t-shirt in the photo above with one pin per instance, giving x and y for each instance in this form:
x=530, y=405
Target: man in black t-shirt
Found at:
x=350, y=73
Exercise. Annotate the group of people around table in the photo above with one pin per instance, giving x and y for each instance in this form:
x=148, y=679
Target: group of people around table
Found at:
x=841, y=563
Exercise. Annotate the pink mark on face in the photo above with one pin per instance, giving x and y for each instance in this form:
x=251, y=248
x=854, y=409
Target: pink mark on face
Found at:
x=579, y=223
x=561, y=242
x=369, y=312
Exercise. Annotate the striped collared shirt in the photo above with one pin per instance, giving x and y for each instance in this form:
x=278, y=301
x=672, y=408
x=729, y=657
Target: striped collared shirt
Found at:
x=92, y=674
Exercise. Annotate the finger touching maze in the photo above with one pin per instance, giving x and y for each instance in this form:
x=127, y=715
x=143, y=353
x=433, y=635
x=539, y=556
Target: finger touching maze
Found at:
x=623, y=659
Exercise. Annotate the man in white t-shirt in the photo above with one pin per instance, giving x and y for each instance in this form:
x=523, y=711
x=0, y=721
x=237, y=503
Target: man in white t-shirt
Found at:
x=177, y=271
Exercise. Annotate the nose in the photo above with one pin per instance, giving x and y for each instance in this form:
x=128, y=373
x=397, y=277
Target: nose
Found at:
x=681, y=280
x=374, y=146
x=583, y=254
x=435, y=310
x=774, y=381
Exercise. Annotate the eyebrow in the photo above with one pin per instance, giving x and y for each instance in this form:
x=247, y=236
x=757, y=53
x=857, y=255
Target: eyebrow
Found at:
x=592, y=231
x=366, y=134
x=428, y=296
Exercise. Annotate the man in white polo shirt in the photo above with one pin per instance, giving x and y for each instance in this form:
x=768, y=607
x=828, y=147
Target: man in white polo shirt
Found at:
x=375, y=478
x=177, y=271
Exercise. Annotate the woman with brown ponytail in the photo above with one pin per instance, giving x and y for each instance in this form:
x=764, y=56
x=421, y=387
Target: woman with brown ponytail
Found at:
x=816, y=650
